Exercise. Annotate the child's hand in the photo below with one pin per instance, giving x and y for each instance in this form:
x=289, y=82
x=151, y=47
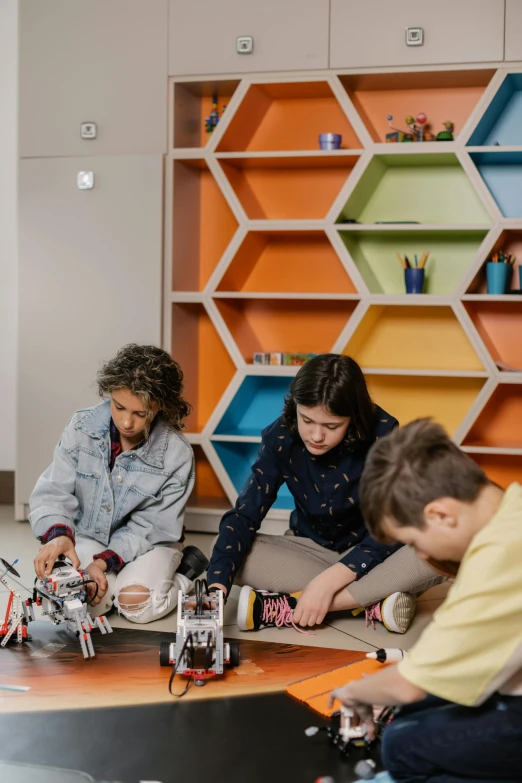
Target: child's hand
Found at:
x=49, y=553
x=363, y=712
x=314, y=602
x=96, y=573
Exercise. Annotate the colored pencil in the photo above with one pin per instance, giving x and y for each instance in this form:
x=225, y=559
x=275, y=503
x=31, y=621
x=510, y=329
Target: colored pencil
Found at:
x=402, y=260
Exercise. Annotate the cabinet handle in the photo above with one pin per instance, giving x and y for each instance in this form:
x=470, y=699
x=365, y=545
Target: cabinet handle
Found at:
x=244, y=44
x=414, y=36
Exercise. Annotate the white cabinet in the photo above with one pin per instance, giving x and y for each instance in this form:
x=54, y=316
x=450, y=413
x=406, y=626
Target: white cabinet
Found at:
x=102, y=61
x=287, y=35
x=89, y=281
x=513, y=49
x=368, y=33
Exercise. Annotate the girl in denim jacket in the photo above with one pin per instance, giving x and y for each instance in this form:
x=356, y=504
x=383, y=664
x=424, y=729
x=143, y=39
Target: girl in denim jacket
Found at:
x=114, y=496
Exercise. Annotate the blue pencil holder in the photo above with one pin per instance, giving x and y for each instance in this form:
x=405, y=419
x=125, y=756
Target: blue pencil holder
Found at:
x=520, y=275
x=497, y=276
x=414, y=279
x=330, y=141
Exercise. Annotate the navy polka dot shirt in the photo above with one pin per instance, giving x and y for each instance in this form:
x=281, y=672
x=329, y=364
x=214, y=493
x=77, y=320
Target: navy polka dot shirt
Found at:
x=326, y=494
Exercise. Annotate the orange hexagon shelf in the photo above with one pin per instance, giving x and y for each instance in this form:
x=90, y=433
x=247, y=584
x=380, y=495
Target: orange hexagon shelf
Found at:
x=206, y=363
x=499, y=424
x=287, y=116
x=203, y=225
x=287, y=261
x=498, y=324
x=500, y=468
x=288, y=188
x=287, y=326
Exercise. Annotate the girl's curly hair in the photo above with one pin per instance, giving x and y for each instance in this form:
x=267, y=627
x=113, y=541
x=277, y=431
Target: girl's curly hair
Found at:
x=152, y=375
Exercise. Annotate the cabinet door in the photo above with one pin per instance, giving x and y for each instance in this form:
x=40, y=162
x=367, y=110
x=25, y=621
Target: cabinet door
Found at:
x=288, y=35
x=367, y=33
x=513, y=30
x=89, y=282
x=95, y=61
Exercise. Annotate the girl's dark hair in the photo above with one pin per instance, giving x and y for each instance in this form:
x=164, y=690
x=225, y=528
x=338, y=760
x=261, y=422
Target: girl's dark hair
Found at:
x=152, y=375
x=337, y=383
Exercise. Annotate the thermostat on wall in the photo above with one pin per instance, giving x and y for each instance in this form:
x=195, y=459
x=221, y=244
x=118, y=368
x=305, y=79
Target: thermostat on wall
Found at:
x=85, y=180
x=88, y=130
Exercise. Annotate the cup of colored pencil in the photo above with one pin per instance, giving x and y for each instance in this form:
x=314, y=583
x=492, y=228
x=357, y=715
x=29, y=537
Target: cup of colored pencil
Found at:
x=498, y=272
x=414, y=272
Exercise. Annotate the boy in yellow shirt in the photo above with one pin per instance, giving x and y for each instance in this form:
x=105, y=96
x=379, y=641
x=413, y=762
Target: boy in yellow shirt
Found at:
x=460, y=687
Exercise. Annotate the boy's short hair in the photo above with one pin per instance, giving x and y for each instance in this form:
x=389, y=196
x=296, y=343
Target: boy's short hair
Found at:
x=411, y=467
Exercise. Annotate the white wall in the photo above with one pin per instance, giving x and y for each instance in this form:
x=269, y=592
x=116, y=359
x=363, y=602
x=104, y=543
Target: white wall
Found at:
x=8, y=228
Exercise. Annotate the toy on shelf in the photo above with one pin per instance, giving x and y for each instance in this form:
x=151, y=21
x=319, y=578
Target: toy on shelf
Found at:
x=19, y=611
x=418, y=130
x=198, y=650
x=414, y=273
x=447, y=133
x=214, y=116
x=498, y=272
x=278, y=359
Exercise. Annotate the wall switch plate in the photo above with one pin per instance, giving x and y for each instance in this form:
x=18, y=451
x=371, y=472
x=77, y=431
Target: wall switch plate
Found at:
x=85, y=180
x=414, y=36
x=88, y=130
x=244, y=44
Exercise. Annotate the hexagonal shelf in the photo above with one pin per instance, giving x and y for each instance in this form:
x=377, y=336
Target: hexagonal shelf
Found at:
x=499, y=424
x=503, y=469
x=441, y=95
x=375, y=255
x=192, y=105
x=447, y=400
x=430, y=189
x=207, y=492
x=287, y=261
x=502, y=174
x=256, y=404
x=237, y=459
x=499, y=325
x=285, y=325
x=287, y=116
x=411, y=338
x=203, y=225
x=288, y=188
x=509, y=242
x=206, y=363
x=501, y=123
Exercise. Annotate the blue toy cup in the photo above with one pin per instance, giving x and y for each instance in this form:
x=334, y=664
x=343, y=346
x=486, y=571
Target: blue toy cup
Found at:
x=414, y=279
x=497, y=275
x=330, y=141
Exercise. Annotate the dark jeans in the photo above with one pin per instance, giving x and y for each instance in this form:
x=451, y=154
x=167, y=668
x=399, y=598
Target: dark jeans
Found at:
x=437, y=741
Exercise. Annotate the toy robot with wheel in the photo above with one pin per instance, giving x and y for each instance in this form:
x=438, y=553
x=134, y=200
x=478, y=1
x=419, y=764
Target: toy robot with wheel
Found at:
x=198, y=649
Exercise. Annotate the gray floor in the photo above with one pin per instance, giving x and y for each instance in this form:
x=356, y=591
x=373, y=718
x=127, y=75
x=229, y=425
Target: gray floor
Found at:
x=342, y=630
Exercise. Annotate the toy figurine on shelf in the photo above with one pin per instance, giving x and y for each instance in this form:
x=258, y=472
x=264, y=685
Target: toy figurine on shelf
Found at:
x=419, y=127
x=214, y=117
x=447, y=133
x=396, y=136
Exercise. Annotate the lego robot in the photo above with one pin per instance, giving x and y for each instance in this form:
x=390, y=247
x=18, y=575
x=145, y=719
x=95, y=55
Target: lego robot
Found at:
x=64, y=599
x=198, y=649
x=19, y=610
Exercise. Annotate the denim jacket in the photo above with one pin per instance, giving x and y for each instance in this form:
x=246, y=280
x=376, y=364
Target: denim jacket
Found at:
x=139, y=505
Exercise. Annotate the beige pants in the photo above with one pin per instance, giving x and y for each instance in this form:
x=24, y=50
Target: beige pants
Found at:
x=286, y=564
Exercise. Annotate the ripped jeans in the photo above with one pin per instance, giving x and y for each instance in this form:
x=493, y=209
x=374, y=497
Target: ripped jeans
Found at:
x=155, y=571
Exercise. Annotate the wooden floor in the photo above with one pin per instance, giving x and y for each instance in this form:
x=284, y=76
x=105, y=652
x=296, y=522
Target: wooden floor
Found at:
x=126, y=670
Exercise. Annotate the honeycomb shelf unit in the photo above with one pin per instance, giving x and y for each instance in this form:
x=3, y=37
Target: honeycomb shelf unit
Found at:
x=273, y=245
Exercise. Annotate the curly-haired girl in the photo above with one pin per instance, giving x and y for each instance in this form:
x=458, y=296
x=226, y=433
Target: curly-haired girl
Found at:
x=114, y=496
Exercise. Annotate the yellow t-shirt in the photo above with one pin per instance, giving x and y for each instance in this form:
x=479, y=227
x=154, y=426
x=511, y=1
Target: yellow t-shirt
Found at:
x=473, y=647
